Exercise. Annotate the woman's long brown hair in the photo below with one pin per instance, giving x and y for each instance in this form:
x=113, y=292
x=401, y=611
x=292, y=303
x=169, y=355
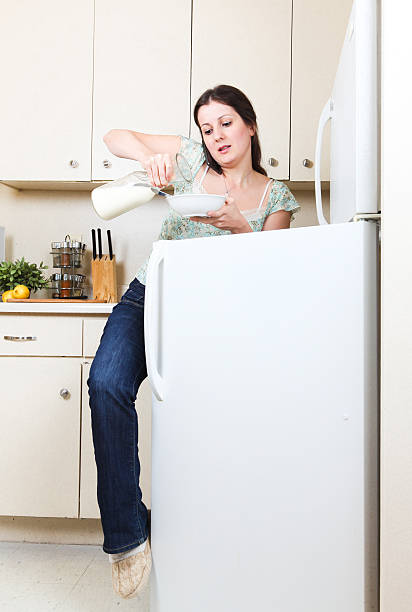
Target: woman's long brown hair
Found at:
x=226, y=94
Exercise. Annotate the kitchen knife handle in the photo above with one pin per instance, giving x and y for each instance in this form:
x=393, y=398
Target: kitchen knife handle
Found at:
x=152, y=304
x=109, y=240
x=94, y=243
x=99, y=241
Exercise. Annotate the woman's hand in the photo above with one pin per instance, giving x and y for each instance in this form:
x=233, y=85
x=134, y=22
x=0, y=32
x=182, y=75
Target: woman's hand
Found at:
x=159, y=168
x=228, y=217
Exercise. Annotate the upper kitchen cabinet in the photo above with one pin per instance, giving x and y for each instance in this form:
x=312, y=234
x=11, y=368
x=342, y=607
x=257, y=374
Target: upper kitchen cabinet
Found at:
x=319, y=30
x=46, y=51
x=141, y=74
x=73, y=71
x=248, y=45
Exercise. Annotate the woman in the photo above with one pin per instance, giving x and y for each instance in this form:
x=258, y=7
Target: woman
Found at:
x=227, y=162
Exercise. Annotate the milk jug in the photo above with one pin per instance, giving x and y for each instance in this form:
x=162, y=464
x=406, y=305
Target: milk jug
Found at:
x=130, y=191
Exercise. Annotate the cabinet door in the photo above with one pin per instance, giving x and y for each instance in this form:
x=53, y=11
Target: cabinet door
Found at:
x=248, y=46
x=88, y=474
x=319, y=30
x=141, y=74
x=46, y=51
x=39, y=436
x=93, y=328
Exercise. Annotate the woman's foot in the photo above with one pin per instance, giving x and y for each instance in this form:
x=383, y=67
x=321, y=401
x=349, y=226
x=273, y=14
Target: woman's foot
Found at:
x=131, y=575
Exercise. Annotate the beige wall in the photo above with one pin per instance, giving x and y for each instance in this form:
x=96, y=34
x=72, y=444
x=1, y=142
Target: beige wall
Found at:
x=396, y=343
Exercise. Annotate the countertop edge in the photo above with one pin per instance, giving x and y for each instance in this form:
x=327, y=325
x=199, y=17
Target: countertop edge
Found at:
x=64, y=308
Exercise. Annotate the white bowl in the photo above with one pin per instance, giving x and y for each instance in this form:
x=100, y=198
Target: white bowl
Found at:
x=195, y=205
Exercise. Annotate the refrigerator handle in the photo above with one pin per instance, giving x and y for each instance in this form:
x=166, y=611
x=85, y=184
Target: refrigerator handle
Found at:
x=151, y=320
x=326, y=115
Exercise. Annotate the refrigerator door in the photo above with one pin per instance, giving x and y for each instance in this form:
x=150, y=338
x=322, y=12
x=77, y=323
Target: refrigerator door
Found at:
x=353, y=112
x=264, y=468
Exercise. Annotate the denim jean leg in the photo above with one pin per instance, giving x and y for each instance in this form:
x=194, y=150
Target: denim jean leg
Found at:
x=116, y=374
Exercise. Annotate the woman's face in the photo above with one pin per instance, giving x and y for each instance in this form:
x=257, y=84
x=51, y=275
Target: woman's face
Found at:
x=226, y=135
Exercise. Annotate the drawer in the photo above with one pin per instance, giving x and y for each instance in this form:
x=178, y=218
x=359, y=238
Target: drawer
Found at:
x=92, y=332
x=52, y=335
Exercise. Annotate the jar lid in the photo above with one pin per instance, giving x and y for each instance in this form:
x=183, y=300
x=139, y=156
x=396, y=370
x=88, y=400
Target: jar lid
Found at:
x=75, y=277
x=68, y=244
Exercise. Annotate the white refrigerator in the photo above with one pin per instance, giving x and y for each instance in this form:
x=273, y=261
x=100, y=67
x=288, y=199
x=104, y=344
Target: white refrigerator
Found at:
x=262, y=355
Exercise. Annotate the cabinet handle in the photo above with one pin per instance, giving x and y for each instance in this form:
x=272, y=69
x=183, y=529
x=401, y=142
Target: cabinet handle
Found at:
x=74, y=163
x=65, y=393
x=272, y=161
x=307, y=163
x=19, y=338
x=107, y=163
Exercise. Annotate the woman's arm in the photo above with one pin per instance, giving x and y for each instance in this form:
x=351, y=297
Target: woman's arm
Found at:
x=229, y=217
x=277, y=220
x=139, y=146
x=154, y=152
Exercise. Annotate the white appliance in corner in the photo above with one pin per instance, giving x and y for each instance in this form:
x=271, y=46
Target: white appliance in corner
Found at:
x=262, y=357
x=2, y=244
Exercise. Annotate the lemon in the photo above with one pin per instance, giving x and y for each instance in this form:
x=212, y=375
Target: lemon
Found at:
x=20, y=292
x=7, y=294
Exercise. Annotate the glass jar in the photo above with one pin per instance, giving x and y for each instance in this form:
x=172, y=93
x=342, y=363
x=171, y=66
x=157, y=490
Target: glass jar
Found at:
x=68, y=285
x=67, y=254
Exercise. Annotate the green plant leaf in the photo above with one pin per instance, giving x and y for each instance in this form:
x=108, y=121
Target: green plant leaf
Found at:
x=22, y=272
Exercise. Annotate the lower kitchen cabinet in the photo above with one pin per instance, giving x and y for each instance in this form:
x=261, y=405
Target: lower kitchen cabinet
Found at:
x=47, y=466
x=40, y=436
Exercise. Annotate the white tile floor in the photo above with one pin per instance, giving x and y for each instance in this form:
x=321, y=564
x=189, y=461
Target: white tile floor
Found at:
x=65, y=578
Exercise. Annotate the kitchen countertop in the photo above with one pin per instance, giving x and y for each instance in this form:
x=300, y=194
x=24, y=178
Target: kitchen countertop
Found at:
x=62, y=308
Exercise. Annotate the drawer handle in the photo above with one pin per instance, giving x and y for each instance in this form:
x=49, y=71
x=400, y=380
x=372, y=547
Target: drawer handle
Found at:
x=19, y=338
x=65, y=393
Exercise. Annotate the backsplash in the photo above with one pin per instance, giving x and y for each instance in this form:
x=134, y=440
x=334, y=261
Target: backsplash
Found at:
x=33, y=219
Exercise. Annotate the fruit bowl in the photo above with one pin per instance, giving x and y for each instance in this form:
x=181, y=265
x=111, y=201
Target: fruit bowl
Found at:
x=195, y=205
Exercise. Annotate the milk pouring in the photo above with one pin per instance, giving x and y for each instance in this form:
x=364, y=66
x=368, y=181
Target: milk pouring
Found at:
x=130, y=191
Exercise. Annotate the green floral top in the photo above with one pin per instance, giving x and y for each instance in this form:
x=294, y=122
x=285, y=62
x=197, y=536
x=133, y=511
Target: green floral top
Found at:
x=175, y=227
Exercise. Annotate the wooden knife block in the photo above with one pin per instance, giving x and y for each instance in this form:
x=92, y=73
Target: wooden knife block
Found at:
x=104, y=279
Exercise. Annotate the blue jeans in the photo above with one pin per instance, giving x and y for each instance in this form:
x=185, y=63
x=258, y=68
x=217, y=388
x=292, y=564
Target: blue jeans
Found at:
x=116, y=374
